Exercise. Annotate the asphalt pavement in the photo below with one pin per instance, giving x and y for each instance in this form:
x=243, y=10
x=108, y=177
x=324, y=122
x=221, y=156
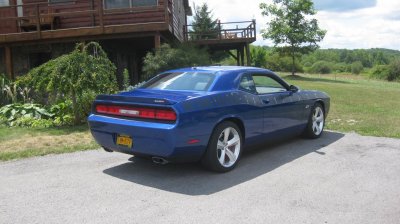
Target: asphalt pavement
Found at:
x=339, y=178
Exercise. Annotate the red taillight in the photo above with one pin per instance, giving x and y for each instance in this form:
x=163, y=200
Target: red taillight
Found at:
x=148, y=113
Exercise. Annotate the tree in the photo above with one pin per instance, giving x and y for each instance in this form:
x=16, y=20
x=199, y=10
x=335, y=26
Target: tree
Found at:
x=203, y=25
x=357, y=67
x=78, y=76
x=291, y=28
x=167, y=58
x=258, y=56
x=394, y=70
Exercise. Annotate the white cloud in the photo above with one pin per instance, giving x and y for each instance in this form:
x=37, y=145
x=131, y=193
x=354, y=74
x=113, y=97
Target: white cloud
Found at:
x=373, y=27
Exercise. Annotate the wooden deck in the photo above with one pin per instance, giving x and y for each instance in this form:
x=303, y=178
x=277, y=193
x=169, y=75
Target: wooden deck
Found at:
x=41, y=21
x=229, y=36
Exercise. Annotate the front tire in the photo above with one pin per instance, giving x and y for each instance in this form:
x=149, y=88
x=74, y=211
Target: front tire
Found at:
x=316, y=122
x=224, y=148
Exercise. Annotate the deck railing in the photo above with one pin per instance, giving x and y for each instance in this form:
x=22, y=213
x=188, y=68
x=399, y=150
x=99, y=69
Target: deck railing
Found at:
x=224, y=31
x=43, y=16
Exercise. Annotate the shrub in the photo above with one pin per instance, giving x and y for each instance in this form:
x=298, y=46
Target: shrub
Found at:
x=357, y=67
x=277, y=62
x=389, y=72
x=78, y=76
x=379, y=72
x=322, y=67
x=307, y=64
x=340, y=67
x=258, y=56
x=167, y=58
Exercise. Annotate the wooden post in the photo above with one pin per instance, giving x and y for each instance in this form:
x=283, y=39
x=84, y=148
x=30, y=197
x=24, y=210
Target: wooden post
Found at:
x=242, y=56
x=238, y=57
x=219, y=30
x=9, y=62
x=254, y=28
x=157, y=41
x=247, y=47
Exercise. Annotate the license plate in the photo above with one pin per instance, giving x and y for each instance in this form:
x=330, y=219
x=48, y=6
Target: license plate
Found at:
x=124, y=140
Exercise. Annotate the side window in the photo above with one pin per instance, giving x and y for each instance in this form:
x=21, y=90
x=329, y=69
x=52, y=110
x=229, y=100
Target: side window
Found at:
x=265, y=84
x=247, y=84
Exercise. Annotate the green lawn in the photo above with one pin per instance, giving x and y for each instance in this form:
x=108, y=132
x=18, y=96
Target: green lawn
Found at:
x=368, y=107
x=19, y=142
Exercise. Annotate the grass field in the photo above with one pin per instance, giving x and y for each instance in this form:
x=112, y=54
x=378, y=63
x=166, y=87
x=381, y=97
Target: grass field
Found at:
x=18, y=142
x=368, y=107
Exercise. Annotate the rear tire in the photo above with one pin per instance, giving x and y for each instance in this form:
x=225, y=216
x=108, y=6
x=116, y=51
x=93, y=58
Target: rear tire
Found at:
x=224, y=148
x=316, y=122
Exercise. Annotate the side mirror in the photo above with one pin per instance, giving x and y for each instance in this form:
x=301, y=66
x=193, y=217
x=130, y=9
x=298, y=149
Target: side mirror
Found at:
x=293, y=88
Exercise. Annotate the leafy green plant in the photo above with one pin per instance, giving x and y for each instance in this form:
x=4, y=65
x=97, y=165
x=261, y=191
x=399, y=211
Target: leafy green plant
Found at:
x=4, y=81
x=12, y=112
x=126, y=79
x=11, y=92
x=84, y=72
x=63, y=114
x=25, y=94
x=31, y=122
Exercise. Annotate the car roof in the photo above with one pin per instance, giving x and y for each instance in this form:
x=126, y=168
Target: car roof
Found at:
x=221, y=69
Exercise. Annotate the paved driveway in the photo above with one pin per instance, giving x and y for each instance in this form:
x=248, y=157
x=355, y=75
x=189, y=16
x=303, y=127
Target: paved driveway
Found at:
x=336, y=179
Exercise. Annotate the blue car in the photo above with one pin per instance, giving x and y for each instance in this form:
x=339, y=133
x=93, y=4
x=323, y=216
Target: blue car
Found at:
x=207, y=114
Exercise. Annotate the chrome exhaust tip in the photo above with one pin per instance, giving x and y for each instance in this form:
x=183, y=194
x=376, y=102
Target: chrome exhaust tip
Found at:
x=159, y=160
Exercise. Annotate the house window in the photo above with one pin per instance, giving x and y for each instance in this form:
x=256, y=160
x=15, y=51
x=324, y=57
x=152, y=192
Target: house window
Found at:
x=118, y=4
x=4, y=3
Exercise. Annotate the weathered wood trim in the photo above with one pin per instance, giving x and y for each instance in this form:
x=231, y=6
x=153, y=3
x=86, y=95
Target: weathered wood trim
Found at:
x=83, y=32
x=9, y=62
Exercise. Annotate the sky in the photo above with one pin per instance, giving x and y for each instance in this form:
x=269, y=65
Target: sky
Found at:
x=351, y=24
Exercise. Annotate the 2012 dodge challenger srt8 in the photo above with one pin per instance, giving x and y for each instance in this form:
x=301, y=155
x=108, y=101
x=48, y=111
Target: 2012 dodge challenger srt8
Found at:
x=207, y=114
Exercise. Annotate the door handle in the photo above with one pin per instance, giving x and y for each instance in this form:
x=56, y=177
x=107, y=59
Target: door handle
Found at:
x=266, y=101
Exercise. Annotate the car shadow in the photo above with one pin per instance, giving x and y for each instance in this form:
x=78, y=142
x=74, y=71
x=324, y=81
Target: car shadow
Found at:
x=192, y=179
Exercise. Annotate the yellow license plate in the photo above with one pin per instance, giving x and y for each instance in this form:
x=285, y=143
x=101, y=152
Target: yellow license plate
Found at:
x=124, y=140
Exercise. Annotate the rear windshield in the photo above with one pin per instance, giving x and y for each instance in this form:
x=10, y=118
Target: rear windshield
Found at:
x=192, y=81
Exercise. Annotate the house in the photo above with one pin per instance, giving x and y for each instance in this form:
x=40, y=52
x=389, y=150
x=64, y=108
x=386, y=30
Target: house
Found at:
x=35, y=31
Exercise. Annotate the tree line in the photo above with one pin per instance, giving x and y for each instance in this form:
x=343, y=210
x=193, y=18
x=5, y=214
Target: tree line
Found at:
x=376, y=62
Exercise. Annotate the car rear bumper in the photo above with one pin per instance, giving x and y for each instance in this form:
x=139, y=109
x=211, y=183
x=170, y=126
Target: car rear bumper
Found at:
x=149, y=138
